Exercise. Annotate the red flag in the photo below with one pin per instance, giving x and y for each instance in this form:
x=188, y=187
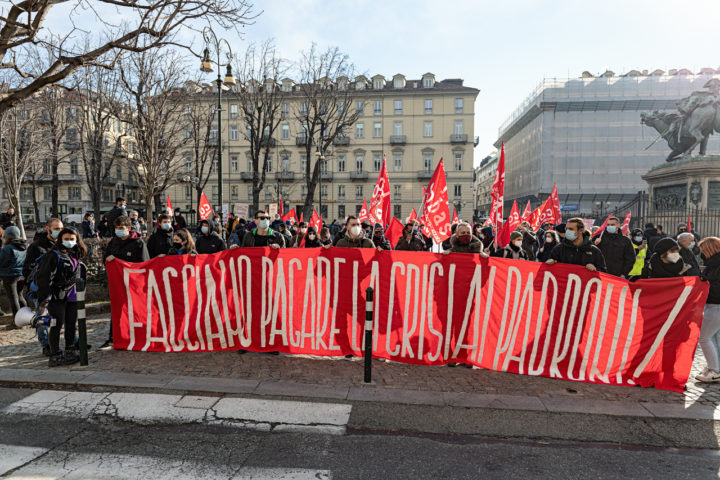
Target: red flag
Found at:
x=413, y=215
x=497, y=193
x=602, y=227
x=509, y=226
x=316, y=223
x=301, y=217
x=379, y=211
x=455, y=216
x=436, y=212
x=689, y=225
x=204, y=208
x=557, y=213
x=526, y=213
x=626, y=223
x=547, y=212
x=290, y=215
x=394, y=231
x=281, y=210
x=363, y=215
x=535, y=218
x=169, y=205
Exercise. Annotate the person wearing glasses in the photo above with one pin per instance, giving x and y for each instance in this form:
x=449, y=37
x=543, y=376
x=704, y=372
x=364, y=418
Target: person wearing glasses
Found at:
x=263, y=235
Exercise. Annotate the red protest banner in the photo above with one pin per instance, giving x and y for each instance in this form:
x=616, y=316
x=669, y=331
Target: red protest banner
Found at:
x=512, y=222
x=204, y=208
x=527, y=213
x=557, y=321
x=602, y=227
x=290, y=215
x=413, y=216
x=497, y=192
x=363, y=215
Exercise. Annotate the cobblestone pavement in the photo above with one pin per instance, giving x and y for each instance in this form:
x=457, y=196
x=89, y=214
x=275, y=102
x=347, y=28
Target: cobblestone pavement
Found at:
x=19, y=349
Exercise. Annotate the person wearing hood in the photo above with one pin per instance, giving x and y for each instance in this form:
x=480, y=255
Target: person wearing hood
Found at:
x=640, y=246
x=486, y=236
x=325, y=238
x=355, y=237
x=465, y=242
x=311, y=239
x=379, y=239
x=88, y=226
x=282, y=229
x=12, y=258
x=530, y=242
x=446, y=243
x=237, y=235
x=513, y=250
x=551, y=240
x=162, y=239
x=263, y=235
x=577, y=248
x=411, y=239
x=208, y=241
x=560, y=229
x=297, y=238
x=616, y=248
x=710, y=329
x=686, y=241
x=666, y=261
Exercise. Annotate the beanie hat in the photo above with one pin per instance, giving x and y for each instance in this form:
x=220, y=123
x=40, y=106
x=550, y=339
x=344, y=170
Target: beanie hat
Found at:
x=665, y=244
x=12, y=232
x=560, y=228
x=515, y=235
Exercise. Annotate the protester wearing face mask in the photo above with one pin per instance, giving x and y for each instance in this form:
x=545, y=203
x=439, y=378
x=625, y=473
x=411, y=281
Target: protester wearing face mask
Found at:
x=488, y=238
x=88, y=226
x=355, y=237
x=311, y=238
x=325, y=236
x=162, y=239
x=263, y=235
x=640, y=246
x=379, y=239
x=710, y=329
x=616, y=248
x=208, y=241
x=465, y=242
x=411, y=239
x=134, y=223
x=513, y=250
x=183, y=244
x=577, y=249
x=686, y=241
x=665, y=261
x=551, y=240
x=296, y=239
x=119, y=210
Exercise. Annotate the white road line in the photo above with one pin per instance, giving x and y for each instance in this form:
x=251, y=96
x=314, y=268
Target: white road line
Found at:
x=81, y=466
x=149, y=408
x=14, y=456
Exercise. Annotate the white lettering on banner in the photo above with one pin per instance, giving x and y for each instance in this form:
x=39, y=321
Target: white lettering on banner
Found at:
x=323, y=304
x=212, y=310
x=375, y=284
x=154, y=292
x=435, y=269
x=192, y=346
x=630, y=334
x=294, y=340
x=580, y=326
x=309, y=295
x=241, y=300
x=409, y=330
x=473, y=299
x=548, y=278
x=336, y=294
x=502, y=346
x=177, y=345
x=280, y=306
x=572, y=288
x=448, y=327
x=391, y=305
x=131, y=311
x=525, y=305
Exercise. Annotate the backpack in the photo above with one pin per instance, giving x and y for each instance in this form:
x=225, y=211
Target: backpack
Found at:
x=60, y=281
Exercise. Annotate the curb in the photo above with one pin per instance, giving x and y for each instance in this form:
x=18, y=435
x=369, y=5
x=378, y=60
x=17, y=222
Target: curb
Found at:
x=377, y=408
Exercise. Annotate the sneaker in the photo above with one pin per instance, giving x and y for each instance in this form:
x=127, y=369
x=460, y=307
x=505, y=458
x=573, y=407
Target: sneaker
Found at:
x=56, y=359
x=107, y=345
x=70, y=357
x=46, y=350
x=708, y=376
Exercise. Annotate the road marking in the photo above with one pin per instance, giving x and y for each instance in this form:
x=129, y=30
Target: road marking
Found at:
x=14, y=456
x=151, y=408
x=81, y=466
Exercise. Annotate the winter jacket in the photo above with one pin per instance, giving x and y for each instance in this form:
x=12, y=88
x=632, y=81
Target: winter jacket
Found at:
x=112, y=215
x=640, y=254
x=175, y=251
x=417, y=244
x=180, y=222
x=56, y=276
x=131, y=249
x=348, y=242
x=339, y=236
x=136, y=227
x=654, y=239
x=585, y=254
x=475, y=245
x=210, y=243
x=7, y=220
x=618, y=252
x=547, y=249
x=712, y=275
x=656, y=268
x=160, y=242
x=237, y=235
x=488, y=236
x=88, y=229
x=511, y=252
x=12, y=258
x=39, y=247
x=382, y=242
x=252, y=239
x=689, y=258
x=530, y=245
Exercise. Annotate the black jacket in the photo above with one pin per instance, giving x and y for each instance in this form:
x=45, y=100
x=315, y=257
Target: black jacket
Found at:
x=160, y=242
x=585, y=254
x=712, y=275
x=112, y=215
x=656, y=268
x=7, y=220
x=132, y=249
x=689, y=258
x=382, y=242
x=180, y=221
x=546, y=253
x=210, y=243
x=510, y=251
x=618, y=252
x=88, y=229
x=39, y=247
x=55, y=276
x=252, y=239
x=530, y=244
x=417, y=244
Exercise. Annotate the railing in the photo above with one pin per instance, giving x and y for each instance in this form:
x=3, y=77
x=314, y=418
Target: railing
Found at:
x=326, y=176
x=246, y=176
x=358, y=175
x=424, y=174
x=265, y=141
x=285, y=175
x=398, y=140
x=301, y=141
x=459, y=138
x=341, y=140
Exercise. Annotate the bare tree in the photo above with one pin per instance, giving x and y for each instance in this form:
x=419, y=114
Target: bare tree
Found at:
x=325, y=109
x=152, y=106
x=199, y=120
x=146, y=25
x=20, y=149
x=260, y=100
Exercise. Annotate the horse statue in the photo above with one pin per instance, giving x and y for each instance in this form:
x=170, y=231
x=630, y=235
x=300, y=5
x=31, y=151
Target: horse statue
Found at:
x=670, y=127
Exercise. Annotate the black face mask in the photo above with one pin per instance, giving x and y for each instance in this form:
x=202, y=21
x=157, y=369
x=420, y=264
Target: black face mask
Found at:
x=177, y=245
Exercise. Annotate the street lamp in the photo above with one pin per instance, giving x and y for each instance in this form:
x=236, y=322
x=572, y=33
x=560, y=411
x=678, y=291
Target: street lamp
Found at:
x=193, y=181
x=320, y=154
x=600, y=205
x=206, y=65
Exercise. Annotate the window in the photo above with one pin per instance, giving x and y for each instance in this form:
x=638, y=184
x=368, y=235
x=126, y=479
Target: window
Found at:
x=47, y=193
x=303, y=163
x=359, y=106
x=303, y=133
x=47, y=166
x=427, y=129
x=341, y=212
x=324, y=191
x=341, y=108
x=233, y=111
x=428, y=106
x=457, y=190
x=285, y=132
x=187, y=132
x=359, y=160
x=188, y=164
x=397, y=161
x=378, y=85
x=233, y=132
x=249, y=164
x=285, y=163
x=397, y=129
x=458, y=105
x=187, y=113
x=287, y=87
x=377, y=162
x=74, y=170
x=428, y=82
x=188, y=191
x=398, y=83
x=215, y=192
x=359, y=130
x=458, y=127
x=341, y=163
x=377, y=107
x=458, y=157
x=427, y=162
x=71, y=135
x=213, y=166
x=398, y=107
x=358, y=192
x=74, y=193
x=397, y=194
x=303, y=108
x=214, y=132
x=341, y=192
x=284, y=111
x=118, y=169
x=303, y=191
x=397, y=211
x=377, y=130
x=233, y=192
x=234, y=163
x=268, y=165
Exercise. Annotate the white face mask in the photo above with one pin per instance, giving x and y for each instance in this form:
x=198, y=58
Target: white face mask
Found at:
x=355, y=230
x=518, y=243
x=673, y=257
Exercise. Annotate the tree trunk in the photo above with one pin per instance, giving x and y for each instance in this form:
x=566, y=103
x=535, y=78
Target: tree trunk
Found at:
x=95, y=197
x=36, y=205
x=149, y=214
x=15, y=203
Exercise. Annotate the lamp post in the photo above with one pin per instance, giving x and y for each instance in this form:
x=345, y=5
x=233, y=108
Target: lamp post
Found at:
x=211, y=40
x=600, y=205
x=193, y=181
x=320, y=154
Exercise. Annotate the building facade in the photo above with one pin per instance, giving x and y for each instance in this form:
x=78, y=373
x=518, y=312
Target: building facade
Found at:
x=484, y=178
x=584, y=134
x=414, y=123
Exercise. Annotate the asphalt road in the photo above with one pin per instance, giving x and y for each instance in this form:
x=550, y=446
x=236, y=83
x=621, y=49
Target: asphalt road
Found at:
x=66, y=447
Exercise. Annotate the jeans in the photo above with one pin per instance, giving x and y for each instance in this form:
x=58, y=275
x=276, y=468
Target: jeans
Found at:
x=13, y=289
x=710, y=336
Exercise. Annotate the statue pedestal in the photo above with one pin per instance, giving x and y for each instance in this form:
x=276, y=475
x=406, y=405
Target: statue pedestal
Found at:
x=692, y=182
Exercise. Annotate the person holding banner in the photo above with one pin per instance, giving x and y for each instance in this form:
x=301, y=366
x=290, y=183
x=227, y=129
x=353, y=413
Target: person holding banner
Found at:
x=617, y=249
x=666, y=261
x=513, y=250
x=325, y=238
x=465, y=242
x=208, y=241
x=183, y=244
x=311, y=238
x=162, y=239
x=263, y=235
x=411, y=240
x=297, y=238
x=710, y=330
x=379, y=239
x=530, y=242
x=355, y=237
x=550, y=242
x=577, y=248
x=237, y=235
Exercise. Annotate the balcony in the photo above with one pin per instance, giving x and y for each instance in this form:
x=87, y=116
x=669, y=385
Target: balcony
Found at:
x=341, y=140
x=459, y=138
x=326, y=176
x=424, y=174
x=73, y=145
x=246, y=176
x=398, y=140
x=358, y=175
x=285, y=176
x=212, y=141
x=301, y=141
x=268, y=141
